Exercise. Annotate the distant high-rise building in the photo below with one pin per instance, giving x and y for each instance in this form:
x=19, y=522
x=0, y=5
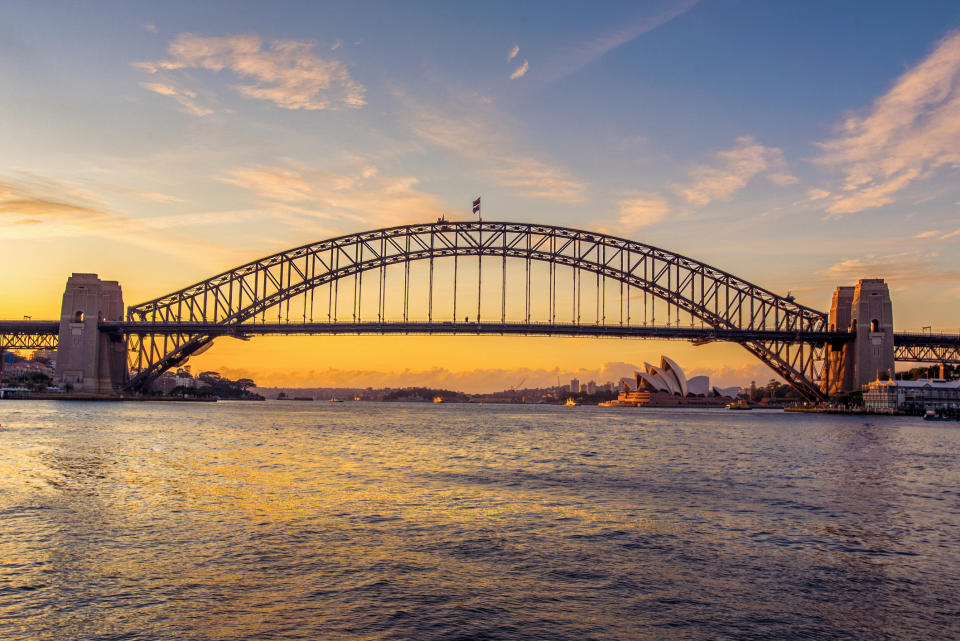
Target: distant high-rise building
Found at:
x=592, y=387
x=574, y=385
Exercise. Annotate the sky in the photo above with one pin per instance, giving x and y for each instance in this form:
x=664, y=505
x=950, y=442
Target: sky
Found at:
x=800, y=146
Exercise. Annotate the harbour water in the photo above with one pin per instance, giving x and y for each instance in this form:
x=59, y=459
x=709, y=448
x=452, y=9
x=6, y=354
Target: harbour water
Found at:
x=408, y=521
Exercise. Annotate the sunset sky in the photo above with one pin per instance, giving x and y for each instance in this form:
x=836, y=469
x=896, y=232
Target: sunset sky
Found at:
x=800, y=146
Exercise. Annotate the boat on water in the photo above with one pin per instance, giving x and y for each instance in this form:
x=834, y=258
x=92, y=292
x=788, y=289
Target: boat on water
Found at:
x=933, y=416
x=437, y=399
x=570, y=402
x=739, y=404
x=334, y=400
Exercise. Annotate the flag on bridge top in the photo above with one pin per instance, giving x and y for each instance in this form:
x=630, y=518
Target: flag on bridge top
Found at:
x=476, y=205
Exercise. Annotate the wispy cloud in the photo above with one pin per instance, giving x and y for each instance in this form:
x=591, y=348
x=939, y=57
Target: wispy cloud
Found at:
x=336, y=45
x=287, y=73
x=587, y=52
x=475, y=131
x=908, y=132
x=732, y=170
x=513, y=53
x=186, y=98
x=358, y=192
x=33, y=200
x=38, y=207
x=936, y=234
x=900, y=269
x=534, y=178
x=520, y=71
x=818, y=194
x=152, y=28
x=152, y=196
x=640, y=210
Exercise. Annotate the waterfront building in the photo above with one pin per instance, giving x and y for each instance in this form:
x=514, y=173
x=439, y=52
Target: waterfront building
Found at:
x=164, y=384
x=574, y=385
x=920, y=395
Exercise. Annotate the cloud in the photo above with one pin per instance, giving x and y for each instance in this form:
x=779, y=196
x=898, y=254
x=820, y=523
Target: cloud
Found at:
x=533, y=178
x=520, y=71
x=152, y=28
x=35, y=207
x=589, y=51
x=336, y=45
x=153, y=196
x=818, y=194
x=184, y=97
x=906, y=135
x=358, y=192
x=936, y=234
x=513, y=53
x=35, y=200
x=733, y=169
x=900, y=269
x=641, y=210
x=287, y=73
x=474, y=130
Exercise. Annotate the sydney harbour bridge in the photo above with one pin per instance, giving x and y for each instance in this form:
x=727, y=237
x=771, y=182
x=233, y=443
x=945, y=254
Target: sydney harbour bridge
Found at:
x=476, y=278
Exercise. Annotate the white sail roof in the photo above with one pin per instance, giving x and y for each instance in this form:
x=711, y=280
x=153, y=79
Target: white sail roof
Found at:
x=667, y=377
x=670, y=366
x=699, y=385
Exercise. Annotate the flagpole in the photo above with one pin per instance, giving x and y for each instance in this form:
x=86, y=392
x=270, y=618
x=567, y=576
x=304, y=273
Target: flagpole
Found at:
x=476, y=210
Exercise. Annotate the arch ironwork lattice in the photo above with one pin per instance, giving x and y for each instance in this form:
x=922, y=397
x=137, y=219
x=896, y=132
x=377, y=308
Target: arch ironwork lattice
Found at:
x=244, y=296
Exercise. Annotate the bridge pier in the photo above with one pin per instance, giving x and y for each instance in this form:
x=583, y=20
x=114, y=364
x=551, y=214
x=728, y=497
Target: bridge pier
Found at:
x=89, y=360
x=867, y=312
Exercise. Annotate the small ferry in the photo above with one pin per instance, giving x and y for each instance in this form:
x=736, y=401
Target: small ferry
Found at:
x=933, y=416
x=437, y=399
x=570, y=402
x=739, y=404
x=334, y=400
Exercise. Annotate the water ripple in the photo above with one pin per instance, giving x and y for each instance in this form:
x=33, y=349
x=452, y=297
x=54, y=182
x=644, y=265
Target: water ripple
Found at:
x=401, y=521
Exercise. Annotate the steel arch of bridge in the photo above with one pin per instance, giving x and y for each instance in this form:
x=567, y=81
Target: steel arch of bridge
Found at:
x=242, y=296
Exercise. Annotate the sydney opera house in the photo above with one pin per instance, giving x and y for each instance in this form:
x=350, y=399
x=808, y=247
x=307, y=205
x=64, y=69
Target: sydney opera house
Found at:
x=667, y=386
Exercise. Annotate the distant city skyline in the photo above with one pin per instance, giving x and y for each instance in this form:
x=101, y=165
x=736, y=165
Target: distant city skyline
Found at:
x=800, y=147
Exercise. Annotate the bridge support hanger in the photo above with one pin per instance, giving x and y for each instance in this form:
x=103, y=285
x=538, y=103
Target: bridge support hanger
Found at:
x=89, y=360
x=866, y=310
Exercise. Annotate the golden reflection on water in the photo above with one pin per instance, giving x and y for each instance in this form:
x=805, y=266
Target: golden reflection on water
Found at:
x=357, y=522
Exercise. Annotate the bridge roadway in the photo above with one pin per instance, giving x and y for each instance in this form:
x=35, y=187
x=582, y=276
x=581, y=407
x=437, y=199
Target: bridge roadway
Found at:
x=920, y=348
x=476, y=328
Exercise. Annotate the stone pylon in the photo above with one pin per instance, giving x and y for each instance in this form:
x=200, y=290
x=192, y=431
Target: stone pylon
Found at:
x=89, y=360
x=866, y=311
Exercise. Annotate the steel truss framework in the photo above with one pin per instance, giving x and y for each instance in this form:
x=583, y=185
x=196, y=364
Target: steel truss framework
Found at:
x=927, y=348
x=244, y=296
x=29, y=335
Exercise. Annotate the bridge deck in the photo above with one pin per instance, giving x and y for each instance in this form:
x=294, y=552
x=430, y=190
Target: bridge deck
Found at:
x=436, y=327
x=910, y=347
